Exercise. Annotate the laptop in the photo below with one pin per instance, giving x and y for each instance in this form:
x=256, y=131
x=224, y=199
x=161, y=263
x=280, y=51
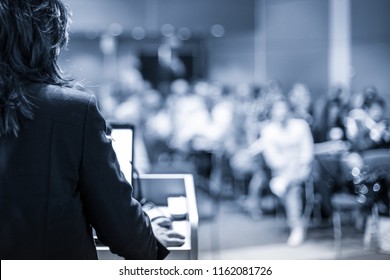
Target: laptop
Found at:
x=122, y=135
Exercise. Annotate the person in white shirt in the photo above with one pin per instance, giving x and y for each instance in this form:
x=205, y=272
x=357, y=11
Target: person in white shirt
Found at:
x=287, y=145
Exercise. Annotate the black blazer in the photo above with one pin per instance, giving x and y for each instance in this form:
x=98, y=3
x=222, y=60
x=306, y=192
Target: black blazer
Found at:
x=60, y=178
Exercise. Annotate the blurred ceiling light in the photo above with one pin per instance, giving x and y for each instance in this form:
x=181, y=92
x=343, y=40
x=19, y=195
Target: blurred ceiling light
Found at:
x=167, y=30
x=184, y=33
x=138, y=33
x=217, y=30
x=115, y=29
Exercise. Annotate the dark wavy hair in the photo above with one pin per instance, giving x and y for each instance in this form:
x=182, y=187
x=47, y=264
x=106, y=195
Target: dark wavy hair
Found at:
x=32, y=32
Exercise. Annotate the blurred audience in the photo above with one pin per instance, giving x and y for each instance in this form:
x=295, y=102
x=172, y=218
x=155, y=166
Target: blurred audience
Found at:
x=258, y=137
x=189, y=115
x=157, y=127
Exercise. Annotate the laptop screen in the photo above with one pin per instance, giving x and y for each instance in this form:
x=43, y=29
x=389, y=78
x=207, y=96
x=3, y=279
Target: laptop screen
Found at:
x=122, y=136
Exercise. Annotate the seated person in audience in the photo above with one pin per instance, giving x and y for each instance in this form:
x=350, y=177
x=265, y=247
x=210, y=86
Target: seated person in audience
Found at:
x=288, y=152
x=329, y=115
x=330, y=144
x=248, y=167
x=367, y=128
x=301, y=102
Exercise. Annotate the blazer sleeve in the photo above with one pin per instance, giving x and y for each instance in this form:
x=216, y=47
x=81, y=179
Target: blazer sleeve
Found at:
x=116, y=216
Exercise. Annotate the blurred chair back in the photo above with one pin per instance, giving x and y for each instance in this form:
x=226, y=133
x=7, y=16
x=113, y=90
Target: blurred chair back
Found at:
x=378, y=158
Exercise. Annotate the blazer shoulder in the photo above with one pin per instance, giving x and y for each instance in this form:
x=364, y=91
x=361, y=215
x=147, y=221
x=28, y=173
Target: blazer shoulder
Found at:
x=55, y=94
x=62, y=104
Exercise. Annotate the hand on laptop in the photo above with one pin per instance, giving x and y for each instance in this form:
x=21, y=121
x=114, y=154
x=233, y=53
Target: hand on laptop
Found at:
x=162, y=229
